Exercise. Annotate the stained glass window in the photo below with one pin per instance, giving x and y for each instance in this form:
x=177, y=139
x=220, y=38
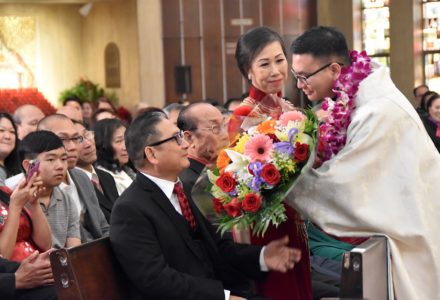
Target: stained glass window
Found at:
x=376, y=30
x=431, y=43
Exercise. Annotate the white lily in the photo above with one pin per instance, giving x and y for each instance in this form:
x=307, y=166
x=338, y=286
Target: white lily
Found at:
x=212, y=177
x=239, y=161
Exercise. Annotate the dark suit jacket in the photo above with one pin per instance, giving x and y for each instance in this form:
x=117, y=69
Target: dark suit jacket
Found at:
x=190, y=175
x=7, y=278
x=110, y=195
x=163, y=259
x=95, y=224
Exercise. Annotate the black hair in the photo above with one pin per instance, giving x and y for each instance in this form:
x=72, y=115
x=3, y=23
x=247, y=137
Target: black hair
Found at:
x=322, y=42
x=72, y=99
x=38, y=142
x=141, y=133
x=431, y=100
x=250, y=45
x=12, y=163
x=419, y=86
x=104, y=131
x=425, y=99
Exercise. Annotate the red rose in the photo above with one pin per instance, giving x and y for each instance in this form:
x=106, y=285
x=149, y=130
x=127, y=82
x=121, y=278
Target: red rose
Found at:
x=251, y=203
x=270, y=174
x=301, y=151
x=226, y=182
x=218, y=205
x=233, y=208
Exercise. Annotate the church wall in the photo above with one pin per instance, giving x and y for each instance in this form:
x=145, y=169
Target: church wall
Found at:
x=58, y=45
x=113, y=22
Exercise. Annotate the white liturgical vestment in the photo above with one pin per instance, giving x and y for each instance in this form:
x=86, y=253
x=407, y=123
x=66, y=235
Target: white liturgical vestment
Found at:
x=386, y=180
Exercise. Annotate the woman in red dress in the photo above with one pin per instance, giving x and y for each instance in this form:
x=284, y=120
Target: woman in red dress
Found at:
x=23, y=225
x=261, y=57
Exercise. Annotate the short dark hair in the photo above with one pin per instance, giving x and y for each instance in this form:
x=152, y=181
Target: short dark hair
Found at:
x=72, y=99
x=185, y=120
x=38, y=142
x=104, y=131
x=141, y=133
x=431, y=99
x=322, y=42
x=419, y=86
x=12, y=164
x=425, y=99
x=250, y=45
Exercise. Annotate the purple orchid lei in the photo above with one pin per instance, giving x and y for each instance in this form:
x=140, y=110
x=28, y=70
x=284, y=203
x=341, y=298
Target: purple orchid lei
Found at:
x=333, y=132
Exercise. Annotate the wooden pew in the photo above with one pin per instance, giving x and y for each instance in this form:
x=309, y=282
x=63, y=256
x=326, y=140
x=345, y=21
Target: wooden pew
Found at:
x=86, y=272
x=365, y=272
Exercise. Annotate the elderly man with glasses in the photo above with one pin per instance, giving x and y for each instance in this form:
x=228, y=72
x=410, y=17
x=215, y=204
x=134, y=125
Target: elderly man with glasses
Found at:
x=205, y=129
x=103, y=182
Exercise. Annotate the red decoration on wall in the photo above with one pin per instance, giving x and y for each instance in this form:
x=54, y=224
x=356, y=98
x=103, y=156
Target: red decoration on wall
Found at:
x=10, y=99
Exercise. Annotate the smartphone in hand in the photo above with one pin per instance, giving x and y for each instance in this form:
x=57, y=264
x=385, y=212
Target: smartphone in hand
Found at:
x=34, y=166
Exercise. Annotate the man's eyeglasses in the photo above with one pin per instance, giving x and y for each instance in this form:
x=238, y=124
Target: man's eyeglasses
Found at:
x=215, y=129
x=76, y=139
x=303, y=78
x=178, y=137
x=89, y=135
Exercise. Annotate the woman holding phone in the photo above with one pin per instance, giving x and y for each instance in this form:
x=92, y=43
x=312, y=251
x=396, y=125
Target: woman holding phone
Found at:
x=23, y=225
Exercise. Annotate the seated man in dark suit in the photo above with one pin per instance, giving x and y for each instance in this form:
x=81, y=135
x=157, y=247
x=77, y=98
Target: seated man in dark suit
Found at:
x=28, y=279
x=205, y=130
x=167, y=249
x=103, y=182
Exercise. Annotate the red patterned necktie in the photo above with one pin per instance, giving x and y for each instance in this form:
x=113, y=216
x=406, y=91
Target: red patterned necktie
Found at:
x=184, y=205
x=95, y=181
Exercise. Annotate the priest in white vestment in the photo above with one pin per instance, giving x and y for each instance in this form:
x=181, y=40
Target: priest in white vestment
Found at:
x=385, y=179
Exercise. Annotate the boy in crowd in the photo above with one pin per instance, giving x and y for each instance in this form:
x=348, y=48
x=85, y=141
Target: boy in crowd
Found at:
x=63, y=218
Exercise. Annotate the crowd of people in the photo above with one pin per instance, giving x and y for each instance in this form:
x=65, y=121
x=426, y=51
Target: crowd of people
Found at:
x=84, y=173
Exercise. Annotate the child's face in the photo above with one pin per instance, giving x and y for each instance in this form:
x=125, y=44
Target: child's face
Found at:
x=53, y=166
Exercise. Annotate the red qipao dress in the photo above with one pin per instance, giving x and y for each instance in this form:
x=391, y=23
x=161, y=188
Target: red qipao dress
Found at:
x=24, y=245
x=295, y=284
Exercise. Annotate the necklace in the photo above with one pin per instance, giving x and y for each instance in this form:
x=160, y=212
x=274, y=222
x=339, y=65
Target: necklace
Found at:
x=333, y=132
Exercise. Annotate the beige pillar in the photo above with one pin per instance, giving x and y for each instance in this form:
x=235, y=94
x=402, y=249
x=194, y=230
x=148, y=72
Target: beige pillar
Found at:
x=151, y=61
x=403, y=55
x=337, y=14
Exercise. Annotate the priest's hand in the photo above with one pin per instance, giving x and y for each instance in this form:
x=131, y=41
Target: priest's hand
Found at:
x=279, y=257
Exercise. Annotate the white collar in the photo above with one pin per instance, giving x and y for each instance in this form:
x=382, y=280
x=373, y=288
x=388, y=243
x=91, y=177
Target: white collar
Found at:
x=166, y=186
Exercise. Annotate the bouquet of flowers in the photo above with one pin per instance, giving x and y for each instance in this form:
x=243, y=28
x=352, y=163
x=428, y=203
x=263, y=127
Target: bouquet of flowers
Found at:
x=253, y=175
